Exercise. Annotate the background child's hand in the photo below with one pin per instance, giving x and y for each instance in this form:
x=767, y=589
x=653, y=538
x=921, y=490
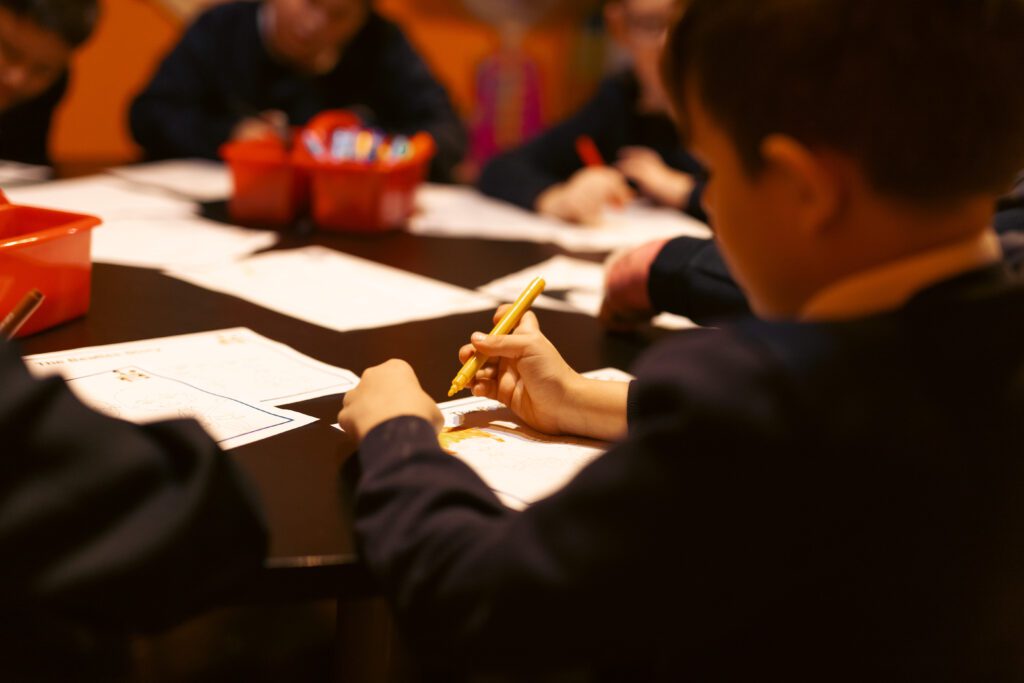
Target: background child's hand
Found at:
x=386, y=391
x=583, y=198
x=655, y=179
x=525, y=372
x=627, y=302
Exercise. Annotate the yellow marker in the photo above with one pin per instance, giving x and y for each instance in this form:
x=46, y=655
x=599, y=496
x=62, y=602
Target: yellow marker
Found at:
x=508, y=322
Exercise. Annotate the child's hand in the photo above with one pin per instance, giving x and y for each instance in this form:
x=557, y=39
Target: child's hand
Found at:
x=583, y=198
x=266, y=126
x=524, y=371
x=655, y=179
x=386, y=391
x=627, y=302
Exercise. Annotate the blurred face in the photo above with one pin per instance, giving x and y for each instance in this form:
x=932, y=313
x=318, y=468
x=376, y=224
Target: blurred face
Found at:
x=32, y=58
x=311, y=34
x=640, y=26
x=753, y=219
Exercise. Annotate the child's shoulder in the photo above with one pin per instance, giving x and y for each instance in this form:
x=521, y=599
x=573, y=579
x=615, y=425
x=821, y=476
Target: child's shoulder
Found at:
x=227, y=14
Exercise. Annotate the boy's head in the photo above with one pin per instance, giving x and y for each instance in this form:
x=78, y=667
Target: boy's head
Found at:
x=639, y=26
x=311, y=34
x=832, y=127
x=37, y=38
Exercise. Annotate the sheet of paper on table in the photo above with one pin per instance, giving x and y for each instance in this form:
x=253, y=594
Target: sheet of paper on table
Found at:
x=450, y=211
x=230, y=381
x=335, y=290
x=203, y=180
x=175, y=242
x=16, y=174
x=235, y=362
x=104, y=196
x=518, y=463
x=572, y=285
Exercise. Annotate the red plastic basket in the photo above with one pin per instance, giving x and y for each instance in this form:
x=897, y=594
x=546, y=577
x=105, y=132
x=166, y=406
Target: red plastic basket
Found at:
x=361, y=197
x=48, y=250
x=269, y=189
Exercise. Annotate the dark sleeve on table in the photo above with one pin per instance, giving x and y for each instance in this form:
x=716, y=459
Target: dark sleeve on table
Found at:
x=522, y=174
x=25, y=128
x=113, y=524
x=180, y=113
x=420, y=102
x=477, y=586
x=689, y=277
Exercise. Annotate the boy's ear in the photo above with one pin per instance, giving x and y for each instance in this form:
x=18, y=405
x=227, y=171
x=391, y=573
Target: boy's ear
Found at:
x=812, y=187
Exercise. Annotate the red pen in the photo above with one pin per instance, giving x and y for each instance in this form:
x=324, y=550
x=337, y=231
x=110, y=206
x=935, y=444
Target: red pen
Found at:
x=588, y=152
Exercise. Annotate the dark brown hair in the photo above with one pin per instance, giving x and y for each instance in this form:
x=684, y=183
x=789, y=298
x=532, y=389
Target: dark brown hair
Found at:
x=926, y=95
x=72, y=20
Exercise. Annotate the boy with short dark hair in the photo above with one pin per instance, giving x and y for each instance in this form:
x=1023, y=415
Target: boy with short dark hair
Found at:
x=834, y=492
x=246, y=69
x=37, y=39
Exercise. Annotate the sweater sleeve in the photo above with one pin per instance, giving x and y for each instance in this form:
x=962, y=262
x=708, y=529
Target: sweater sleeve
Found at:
x=521, y=175
x=690, y=278
x=108, y=523
x=480, y=587
x=180, y=113
x=416, y=101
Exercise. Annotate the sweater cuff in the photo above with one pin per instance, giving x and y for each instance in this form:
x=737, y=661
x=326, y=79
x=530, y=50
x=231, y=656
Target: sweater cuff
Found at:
x=632, y=403
x=396, y=440
x=665, y=283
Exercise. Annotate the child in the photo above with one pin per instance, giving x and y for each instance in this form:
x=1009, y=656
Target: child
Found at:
x=245, y=70
x=830, y=493
x=627, y=119
x=107, y=526
x=37, y=39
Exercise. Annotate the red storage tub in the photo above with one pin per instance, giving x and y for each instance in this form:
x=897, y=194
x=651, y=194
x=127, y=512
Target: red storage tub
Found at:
x=269, y=189
x=48, y=250
x=367, y=197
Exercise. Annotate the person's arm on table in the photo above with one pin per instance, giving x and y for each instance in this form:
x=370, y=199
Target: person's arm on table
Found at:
x=479, y=586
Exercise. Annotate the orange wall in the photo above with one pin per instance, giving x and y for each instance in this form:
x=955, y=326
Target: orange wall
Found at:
x=133, y=36
x=91, y=124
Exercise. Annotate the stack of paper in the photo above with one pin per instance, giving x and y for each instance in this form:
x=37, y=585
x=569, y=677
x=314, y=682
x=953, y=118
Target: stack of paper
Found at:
x=572, y=285
x=335, y=290
x=448, y=211
x=175, y=242
x=229, y=380
x=103, y=196
x=200, y=179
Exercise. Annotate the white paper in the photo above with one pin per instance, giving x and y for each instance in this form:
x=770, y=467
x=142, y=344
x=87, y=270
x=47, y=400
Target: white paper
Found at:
x=450, y=211
x=16, y=174
x=104, y=196
x=203, y=180
x=572, y=285
x=235, y=361
x=335, y=290
x=175, y=242
x=138, y=394
x=519, y=464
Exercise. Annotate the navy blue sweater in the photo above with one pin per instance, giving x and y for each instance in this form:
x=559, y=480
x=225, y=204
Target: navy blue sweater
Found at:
x=25, y=127
x=221, y=73
x=612, y=120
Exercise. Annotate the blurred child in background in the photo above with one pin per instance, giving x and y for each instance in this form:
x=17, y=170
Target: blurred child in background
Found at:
x=629, y=123
x=37, y=39
x=246, y=70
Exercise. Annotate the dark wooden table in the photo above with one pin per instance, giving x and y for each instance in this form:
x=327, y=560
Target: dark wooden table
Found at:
x=298, y=473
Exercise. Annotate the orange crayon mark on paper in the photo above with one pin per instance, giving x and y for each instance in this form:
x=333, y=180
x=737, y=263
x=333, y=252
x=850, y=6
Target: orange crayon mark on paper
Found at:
x=449, y=438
